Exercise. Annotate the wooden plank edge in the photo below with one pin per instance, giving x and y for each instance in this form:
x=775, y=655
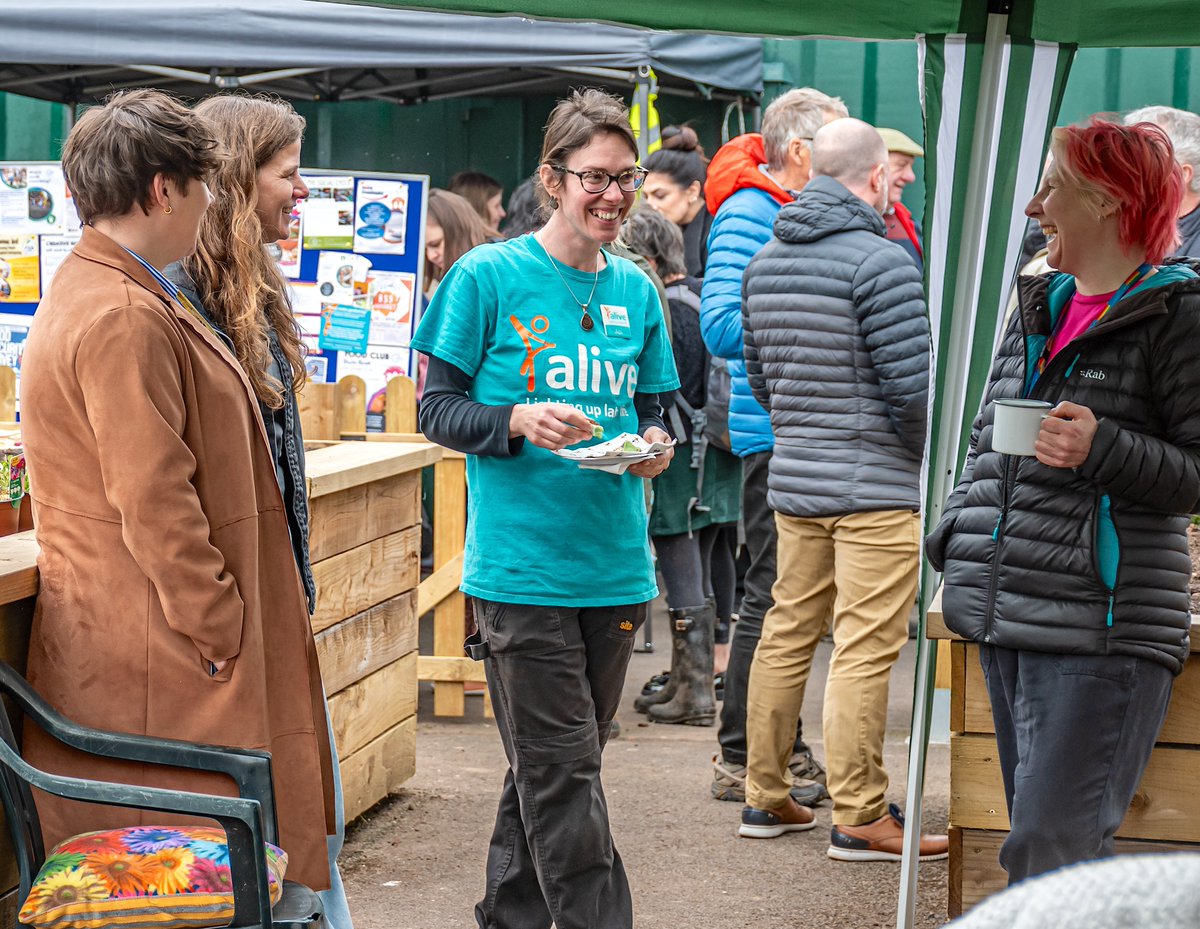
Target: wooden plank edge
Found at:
x=358, y=711
x=439, y=585
x=349, y=464
x=359, y=558
x=449, y=669
x=18, y=566
x=392, y=756
x=401, y=437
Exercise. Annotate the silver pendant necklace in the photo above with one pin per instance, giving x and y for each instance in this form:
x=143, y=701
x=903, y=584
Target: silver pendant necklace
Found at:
x=585, y=321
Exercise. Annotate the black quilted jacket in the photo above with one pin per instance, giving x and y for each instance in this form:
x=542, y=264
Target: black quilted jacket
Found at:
x=1091, y=560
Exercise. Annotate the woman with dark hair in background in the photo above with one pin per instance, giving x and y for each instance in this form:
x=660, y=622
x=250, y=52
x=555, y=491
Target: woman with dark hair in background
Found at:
x=696, y=500
x=483, y=192
x=675, y=187
x=235, y=283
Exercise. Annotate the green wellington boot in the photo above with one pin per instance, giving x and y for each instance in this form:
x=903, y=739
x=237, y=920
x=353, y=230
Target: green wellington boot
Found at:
x=692, y=703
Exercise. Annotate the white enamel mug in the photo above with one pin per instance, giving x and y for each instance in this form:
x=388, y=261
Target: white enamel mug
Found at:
x=1016, y=423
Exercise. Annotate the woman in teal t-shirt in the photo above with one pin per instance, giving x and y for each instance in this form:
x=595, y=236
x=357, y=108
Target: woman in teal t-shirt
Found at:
x=531, y=342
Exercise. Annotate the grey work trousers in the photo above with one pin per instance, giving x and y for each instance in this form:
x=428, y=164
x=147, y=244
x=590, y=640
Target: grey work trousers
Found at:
x=1074, y=734
x=555, y=676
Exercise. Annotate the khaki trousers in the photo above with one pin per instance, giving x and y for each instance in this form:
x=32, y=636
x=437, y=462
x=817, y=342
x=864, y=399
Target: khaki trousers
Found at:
x=863, y=567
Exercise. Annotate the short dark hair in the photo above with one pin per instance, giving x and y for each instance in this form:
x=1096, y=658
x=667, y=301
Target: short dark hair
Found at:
x=115, y=151
x=578, y=119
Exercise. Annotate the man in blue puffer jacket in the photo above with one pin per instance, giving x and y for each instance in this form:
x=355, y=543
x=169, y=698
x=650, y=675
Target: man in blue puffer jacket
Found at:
x=749, y=179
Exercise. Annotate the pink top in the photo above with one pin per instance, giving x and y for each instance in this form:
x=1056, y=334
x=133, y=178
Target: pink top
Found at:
x=1079, y=313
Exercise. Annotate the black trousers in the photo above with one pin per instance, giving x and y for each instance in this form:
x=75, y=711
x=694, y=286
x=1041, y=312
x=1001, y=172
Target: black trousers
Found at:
x=761, y=541
x=555, y=675
x=1074, y=734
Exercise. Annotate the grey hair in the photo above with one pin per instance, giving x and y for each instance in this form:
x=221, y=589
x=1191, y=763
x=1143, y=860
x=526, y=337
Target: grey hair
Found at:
x=798, y=114
x=656, y=239
x=1181, y=127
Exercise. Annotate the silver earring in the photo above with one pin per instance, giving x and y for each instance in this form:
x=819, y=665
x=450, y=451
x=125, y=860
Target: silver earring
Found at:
x=554, y=203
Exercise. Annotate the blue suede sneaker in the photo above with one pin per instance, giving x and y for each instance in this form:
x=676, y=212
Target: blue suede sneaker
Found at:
x=767, y=824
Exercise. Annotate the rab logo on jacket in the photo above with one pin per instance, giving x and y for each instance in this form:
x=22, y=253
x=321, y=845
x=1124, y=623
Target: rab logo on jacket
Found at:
x=1092, y=374
x=626, y=626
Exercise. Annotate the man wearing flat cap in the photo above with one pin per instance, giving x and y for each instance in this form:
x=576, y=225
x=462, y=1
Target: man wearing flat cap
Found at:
x=901, y=227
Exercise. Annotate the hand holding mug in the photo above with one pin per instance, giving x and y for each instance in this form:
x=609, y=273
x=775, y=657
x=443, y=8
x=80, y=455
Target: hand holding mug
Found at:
x=1065, y=439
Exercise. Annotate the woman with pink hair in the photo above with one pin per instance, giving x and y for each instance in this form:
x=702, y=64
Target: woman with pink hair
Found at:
x=1070, y=566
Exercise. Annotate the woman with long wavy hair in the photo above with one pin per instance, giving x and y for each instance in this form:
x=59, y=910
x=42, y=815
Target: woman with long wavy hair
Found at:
x=236, y=284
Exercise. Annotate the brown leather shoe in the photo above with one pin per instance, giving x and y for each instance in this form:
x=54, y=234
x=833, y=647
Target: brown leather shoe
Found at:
x=767, y=824
x=882, y=840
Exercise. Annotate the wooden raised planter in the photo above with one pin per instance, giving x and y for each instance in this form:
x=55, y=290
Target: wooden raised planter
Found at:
x=365, y=509
x=1164, y=815
x=365, y=547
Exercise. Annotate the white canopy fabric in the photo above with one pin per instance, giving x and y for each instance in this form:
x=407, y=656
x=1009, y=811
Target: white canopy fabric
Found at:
x=76, y=50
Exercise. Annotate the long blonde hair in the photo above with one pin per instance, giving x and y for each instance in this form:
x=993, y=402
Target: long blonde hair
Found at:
x=239, y=283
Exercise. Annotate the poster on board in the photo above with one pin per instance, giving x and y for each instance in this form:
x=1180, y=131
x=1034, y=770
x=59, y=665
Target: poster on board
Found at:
x=39, y=226
x=392, y=296
x=14, y=328
x=20, y=281
x=380, y=217
x=33, y=199
x=328, y=213
x=376, y=367
x=379, y=270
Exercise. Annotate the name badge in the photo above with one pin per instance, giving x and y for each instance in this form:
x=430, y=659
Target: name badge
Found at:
x=616, y=321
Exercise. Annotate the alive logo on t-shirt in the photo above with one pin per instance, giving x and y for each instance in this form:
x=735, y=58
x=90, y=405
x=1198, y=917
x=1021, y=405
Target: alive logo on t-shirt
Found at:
x=586, y=372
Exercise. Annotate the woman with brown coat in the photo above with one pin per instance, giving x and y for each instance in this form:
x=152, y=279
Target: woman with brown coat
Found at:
x=170, y=601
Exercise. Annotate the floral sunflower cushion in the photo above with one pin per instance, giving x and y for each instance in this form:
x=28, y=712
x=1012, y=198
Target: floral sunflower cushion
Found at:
x=115, y=879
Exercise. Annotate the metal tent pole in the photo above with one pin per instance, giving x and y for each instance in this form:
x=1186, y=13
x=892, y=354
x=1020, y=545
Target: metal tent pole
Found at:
x=956, y=363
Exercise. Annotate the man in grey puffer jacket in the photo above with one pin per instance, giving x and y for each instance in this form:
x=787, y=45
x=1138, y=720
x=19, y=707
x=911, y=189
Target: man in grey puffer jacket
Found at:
x=837, y=349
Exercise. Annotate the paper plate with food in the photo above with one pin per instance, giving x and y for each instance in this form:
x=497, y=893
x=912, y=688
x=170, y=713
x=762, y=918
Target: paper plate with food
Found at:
x=615, y=455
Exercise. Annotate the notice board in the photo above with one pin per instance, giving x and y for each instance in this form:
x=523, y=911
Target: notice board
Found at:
x=354, y=261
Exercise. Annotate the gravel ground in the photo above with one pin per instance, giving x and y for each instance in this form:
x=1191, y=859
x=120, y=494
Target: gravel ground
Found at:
x=416, y=861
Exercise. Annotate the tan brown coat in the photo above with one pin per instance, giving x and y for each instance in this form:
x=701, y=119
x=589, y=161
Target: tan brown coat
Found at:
x=164, y=546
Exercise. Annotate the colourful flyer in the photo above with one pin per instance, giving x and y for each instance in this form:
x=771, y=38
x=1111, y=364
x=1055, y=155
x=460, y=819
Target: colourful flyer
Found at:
x=345, y=328
x=20, y=280
x=380, y=217
x=328, y=213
